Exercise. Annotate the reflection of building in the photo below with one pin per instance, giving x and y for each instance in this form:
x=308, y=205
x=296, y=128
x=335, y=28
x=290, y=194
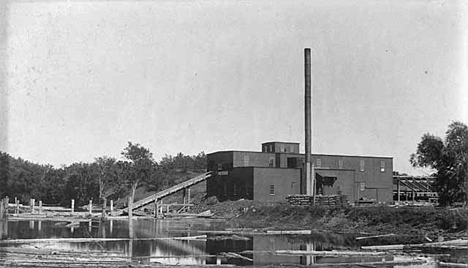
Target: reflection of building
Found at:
x=264, y=246
x=276, y=172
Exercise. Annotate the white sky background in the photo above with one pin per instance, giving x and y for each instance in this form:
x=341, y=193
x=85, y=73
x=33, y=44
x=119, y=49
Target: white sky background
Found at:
x=81, y=78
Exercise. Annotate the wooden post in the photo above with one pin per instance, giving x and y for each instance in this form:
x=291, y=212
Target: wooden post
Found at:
x=32, y=204
x=188, y=195
x=90, y=206
x=358, y=190
x=17, y=207
x=112, y=206
x=398, y=189
x=104, y=207
x=130, y=226
x=40, y=206
x=7, y=201
x=156, y=208
x=184, y=195
x=2, y=212
x=130, y=209
x=72, y=205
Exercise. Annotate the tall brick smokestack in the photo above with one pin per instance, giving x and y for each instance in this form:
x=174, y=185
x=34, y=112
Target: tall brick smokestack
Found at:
x=309, y=173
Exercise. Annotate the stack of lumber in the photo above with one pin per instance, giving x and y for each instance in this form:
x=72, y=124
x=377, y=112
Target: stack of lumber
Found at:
x=320, y=200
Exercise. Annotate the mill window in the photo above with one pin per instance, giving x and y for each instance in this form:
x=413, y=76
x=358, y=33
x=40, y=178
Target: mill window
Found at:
x=246, y=160
x=271, y=162
x=272, y=189
x=361, y=165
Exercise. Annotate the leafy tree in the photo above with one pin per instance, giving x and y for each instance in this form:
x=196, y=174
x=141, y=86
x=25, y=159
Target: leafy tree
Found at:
x=81, y=183
x=53, y=186
x=141, y=167
x=108, y=176
x=449, y=158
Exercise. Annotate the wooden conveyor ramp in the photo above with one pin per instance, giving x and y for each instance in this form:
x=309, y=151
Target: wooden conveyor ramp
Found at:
x=166, y=192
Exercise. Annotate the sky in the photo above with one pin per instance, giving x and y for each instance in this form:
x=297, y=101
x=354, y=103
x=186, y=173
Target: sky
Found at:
x=79, y=79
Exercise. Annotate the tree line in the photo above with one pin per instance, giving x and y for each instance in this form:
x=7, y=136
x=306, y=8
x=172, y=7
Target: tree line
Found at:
x=105, y=177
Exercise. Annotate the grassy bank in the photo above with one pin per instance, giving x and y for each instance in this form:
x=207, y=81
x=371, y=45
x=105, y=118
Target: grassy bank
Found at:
x=427, y=221
x=407, y=221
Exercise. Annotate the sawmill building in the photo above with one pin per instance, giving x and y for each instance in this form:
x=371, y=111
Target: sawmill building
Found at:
x=276, y=172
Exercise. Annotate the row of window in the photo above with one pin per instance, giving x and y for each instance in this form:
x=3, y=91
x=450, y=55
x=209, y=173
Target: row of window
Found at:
x=225, y=166
x=283, y=148
x=361, y=164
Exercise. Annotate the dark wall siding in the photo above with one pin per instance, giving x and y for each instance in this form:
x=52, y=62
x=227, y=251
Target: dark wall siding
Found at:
x=286, y=182
x=219, y=158
x=255, y=159
x=236, y=184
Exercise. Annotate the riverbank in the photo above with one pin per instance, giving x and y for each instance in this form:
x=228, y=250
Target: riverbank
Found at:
x=411, y=223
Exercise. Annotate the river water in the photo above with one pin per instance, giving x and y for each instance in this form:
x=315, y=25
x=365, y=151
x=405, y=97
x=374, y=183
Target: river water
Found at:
x=209, y=248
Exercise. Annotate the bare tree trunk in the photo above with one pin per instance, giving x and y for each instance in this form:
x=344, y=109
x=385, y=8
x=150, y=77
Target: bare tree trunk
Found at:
x=104, y=207
x=134, y=187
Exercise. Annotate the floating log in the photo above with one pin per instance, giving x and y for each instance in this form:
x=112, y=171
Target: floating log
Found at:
x=373, y=236
x=371, y=264
x=290, y=232
x=73, y=224
x=451, y=264
x=196, y=237
x=384, y=247
x=84, y=240
x=235, y=255
x=459, y=243
x=317, y=253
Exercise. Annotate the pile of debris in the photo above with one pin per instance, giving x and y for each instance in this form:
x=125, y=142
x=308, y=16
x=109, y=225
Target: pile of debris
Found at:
x=320, y=200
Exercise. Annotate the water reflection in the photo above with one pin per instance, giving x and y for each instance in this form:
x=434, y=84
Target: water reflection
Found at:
x=3, y=229
x=138, y=245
